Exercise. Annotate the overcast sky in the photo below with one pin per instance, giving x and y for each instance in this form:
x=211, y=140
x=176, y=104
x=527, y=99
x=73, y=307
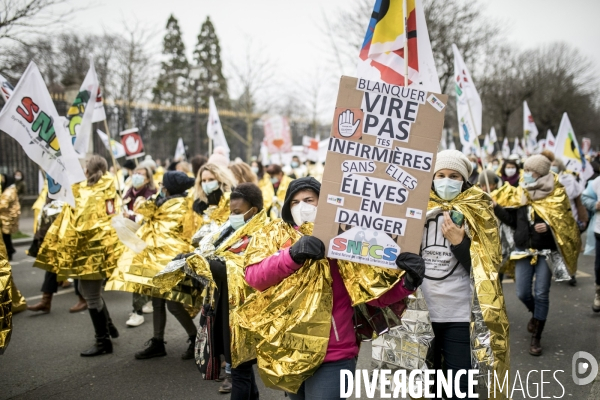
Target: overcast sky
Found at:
x=289, y=31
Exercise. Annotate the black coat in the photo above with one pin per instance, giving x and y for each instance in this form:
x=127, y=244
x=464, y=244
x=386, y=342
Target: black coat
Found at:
x=525, y=235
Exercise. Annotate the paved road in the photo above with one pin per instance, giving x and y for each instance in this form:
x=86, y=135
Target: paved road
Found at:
x=43, y=359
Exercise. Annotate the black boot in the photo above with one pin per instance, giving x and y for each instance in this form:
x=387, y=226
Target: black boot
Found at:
x=156, y=348
x=112, y=329
x=535, y=348
x=191, y=350
x=103, y=344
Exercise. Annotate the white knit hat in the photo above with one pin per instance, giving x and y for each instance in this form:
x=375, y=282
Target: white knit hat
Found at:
x=538, y=163
x=454, y=160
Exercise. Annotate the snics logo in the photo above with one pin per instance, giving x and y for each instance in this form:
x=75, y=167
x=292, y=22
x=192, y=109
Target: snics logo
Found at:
x=365, y=245
x=42, y=123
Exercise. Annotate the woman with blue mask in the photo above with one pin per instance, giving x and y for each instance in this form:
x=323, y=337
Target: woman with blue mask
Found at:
x=212, y=190
x=546, y=238
x=461, y=249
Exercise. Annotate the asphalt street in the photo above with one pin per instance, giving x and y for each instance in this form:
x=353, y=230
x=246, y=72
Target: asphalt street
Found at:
x=43, y=362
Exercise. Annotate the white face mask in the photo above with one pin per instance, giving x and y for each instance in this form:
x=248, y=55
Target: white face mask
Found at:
x=137, y=181
x=210, y=186
x=447, y=188
x=510, y=171
x=303, y=212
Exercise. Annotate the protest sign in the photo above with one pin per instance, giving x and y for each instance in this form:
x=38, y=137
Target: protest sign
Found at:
x=132, y=142
x=277, y=137
x=380, y=161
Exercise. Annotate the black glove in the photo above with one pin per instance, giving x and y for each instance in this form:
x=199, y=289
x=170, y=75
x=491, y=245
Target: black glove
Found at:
x=182, y=256
x=414, y=265
x=307, y=248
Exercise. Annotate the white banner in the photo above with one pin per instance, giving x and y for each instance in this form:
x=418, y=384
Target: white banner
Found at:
x=214, y=130
x=30, y=118
x=468, y=102
x=117, y=148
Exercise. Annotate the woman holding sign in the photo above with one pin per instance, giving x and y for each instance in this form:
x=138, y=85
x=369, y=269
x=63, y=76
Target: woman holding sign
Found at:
x=302, y=311
x=461, y=249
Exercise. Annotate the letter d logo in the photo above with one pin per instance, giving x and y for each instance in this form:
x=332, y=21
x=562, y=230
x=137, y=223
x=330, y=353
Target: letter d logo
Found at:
x=583, y=367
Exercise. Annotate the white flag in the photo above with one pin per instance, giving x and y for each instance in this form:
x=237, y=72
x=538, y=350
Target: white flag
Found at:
x=550, y=141
x=505, y=149
x=452, y=145
x=117, y=148
x=214, y=130
x=487, y=144
x=82, y=112
x=517, y=149
x=30, y=117
x=468, y=102
x=567, y=148
x=382, y=55
x=541, y=144
x=6, y=89
x=179, y=150
x=530, y=131
x=493, y=137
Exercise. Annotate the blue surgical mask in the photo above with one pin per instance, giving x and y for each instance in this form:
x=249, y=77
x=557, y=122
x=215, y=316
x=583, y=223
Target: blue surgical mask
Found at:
x=554, y=169
x=294, y=164
x=274, y=180
x=137, y=181
x=446, y=188
x=238, y=220
x=210, y=186
x=528, y=177
x=161, y=193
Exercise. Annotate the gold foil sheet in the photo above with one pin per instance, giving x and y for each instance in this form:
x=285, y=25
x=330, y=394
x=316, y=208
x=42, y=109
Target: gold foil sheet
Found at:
x=10, y=210
x=166, y=230
x=5, y=298
x=405, y=347
x=81, y=242
x=279, y=198
x=266, y=187
x=212, y=218
x=39, y=204
x=555, y=210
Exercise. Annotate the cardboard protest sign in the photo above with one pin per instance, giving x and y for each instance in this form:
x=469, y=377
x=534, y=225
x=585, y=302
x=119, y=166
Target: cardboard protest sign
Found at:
x=132, y=142
x=379, y=169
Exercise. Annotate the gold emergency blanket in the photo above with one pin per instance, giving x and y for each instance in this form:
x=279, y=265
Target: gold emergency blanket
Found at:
x=266, y=187
x=291, y=319
x=279, y=197
x=10, y=210
x=211, y=219
x=81, y=243
x=5, y=298
x=39, y=204
x=489, y=322
x=166, y=230
x=555, y=210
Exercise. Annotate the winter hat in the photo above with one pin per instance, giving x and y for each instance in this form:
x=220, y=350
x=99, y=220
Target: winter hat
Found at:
x=561, y=165
x=129, y=164
x=219, y=159
x=177, y=182
x=538, y=163
x=491, y=176
x=454, y=160
x=295, y=186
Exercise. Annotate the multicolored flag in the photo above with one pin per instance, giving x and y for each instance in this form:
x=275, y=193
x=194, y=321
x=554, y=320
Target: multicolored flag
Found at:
x=117, y=148
x=567, y=148
x=391, y=30
x=214, y=130
x=30, y=117
x=468, y=102
x=6, y=89
x=84, y=112
x=505, y=149
x=530, y=131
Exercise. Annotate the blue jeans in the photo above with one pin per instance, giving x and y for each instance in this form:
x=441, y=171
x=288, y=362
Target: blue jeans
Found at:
x=537, y=302
x=325, y=383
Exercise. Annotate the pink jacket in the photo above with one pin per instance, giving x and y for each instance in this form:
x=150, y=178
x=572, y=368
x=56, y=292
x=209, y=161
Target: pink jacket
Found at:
x=342, y=340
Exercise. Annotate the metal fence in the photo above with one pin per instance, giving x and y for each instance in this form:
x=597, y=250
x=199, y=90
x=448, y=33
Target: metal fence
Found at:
x=160, y=128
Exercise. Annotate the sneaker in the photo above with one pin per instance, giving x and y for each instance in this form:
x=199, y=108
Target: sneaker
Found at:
x=135, y=320
x=596, y=305
x=226, y=385
x=147, y=309
x=155, y=348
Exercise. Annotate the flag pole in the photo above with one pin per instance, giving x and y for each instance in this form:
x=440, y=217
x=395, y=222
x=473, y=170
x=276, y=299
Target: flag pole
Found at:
x=405, y=12
x=112, y=156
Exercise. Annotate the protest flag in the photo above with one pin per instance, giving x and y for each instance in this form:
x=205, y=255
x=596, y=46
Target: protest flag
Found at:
x=179, y=150
x=30, y=117
x=505, y=149
x=550, y=140
x=468, y=102
x=397, y=45
x=115, y=147
x=517, y=149
x=132, y=143
x=530, y=131
x=567, y=148
x=6, y=89
x=214, y=130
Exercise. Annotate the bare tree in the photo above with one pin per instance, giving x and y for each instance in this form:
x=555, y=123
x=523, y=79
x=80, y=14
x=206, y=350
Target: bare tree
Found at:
x=21, y=20
x=253, y=77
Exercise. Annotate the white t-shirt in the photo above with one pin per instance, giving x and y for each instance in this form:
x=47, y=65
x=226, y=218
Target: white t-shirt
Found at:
x=448, y=299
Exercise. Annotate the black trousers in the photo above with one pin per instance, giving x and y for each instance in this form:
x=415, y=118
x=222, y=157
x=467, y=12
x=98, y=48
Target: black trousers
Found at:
x=50, y=284
x=243, y=382
x=452, y=350
x=9, y=245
